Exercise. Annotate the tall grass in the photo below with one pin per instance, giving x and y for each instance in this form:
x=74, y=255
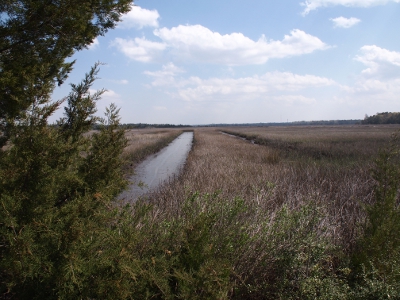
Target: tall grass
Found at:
x=245, y=221
x=343, y=143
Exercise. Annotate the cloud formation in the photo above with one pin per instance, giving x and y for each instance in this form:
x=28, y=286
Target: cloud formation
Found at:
x=140, y=17
x=380, y=62
x=314, y=4
x=139, y=49
x=268, y=85
x=374, y=93
x=201, y=45
x=294, y=99
x=379, y=83
x=197, y=43
x=166, y=76
x=345, y=22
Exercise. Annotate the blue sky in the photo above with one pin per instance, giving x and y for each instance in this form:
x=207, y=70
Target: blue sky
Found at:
x=202, y=62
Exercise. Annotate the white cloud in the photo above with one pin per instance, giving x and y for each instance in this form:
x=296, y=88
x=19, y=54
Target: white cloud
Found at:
x=345, y=22
x=294, y=99
x=164, y=76
x=139, y=49
x=140, y=17
x=200, y=44
x=167, y=70
x=377, y=95
x=110, y=95
x=94, y=44
x=314, y=4
x=378, y=86
x=381, y=63
x=268, y=85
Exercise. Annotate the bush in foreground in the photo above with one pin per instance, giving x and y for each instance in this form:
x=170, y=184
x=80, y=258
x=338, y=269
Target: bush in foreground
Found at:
x=56, y=191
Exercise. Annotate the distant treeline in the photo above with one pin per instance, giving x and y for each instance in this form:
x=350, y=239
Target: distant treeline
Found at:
x=144, y=125
x=379, y=118
x=296, y=123
x=330, y=122
x=383, y=118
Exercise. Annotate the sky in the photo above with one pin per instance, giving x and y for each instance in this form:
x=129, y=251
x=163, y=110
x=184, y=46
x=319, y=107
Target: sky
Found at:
x=203, y=62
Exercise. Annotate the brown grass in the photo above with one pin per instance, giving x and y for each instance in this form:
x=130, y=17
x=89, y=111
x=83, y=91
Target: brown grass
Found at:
x=323, y=195
x=140, y=138
x=267, y=179
x=357, y=142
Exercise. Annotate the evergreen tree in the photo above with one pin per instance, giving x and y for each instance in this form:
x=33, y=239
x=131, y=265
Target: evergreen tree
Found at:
x=36, y=36
x=58, y=223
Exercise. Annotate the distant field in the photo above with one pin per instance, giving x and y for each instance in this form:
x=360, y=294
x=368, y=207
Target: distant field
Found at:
x=354, y=142
x=320, y=132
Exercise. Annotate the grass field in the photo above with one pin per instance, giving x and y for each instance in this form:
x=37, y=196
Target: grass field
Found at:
x=284, y=217
x=347, y=142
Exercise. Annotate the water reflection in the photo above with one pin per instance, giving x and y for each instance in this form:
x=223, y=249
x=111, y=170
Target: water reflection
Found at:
x=158, y=168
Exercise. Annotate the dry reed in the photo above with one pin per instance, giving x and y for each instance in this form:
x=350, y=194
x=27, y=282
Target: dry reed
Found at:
x=267, y=179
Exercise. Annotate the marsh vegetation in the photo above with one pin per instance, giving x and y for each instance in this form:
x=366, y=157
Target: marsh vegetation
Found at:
x=301, y=214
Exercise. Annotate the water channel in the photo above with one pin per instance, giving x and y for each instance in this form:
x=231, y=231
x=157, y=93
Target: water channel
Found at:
x=239, y=137
x=158, y=168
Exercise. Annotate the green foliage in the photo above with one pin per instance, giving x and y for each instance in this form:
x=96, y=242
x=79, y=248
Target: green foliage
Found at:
x=383, y=118
x=194, y=248
x=377, y=261
x=197, y=272
x=56, y=189
x=59, y=230
x=373, y=285
x=204, y=250
x=36, y=36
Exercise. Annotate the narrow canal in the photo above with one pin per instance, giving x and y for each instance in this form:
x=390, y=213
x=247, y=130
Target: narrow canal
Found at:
x=158, y=168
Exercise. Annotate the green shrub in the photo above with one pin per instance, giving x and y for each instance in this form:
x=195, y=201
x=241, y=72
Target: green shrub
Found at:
x=376, y=261
x=56, y=190
x=197, y=244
